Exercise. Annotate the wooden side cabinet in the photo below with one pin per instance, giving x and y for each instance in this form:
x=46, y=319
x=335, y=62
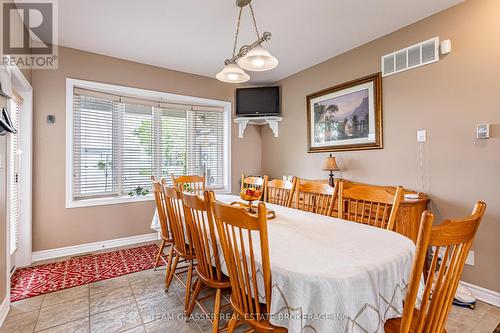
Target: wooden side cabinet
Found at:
x=409, y=212
x=408, y=218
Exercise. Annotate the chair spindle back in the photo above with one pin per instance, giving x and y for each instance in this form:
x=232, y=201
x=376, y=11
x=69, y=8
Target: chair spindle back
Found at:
x=369, y=204
x=244, y=238
x=198, y=217
x=161, y=207
x=190, y=184
x=183, y=242
x=280, y=192
x=451, y=242
x=315, y=197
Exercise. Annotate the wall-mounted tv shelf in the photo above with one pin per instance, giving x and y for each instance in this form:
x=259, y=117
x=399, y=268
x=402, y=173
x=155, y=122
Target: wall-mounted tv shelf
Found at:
x=272, y=121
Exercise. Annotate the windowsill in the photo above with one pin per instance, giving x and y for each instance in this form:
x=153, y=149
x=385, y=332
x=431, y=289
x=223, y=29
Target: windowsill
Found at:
x=119, y=200
x=107, y=201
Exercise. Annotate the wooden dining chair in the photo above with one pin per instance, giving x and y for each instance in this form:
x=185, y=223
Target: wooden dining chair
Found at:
x=368, y=204
x=183, y=242
x=258, y=183
x=280, y=192
x=201, y=224
x=451, y=241
x=315, y=197
x=189, y=183
x=165, y=234
x=241, y=235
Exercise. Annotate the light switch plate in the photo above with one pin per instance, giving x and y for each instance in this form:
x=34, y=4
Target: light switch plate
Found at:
x=483, y=131
x=470, y=259
x=421, y=136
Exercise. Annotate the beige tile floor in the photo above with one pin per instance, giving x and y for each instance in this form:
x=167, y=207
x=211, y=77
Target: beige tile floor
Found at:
x=137, y=303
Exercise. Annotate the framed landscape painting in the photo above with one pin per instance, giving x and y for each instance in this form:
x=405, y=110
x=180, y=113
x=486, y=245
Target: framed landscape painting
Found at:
x=346, y=117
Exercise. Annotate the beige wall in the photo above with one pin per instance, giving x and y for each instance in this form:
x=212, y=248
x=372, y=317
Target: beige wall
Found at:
x=447, y=99
x=55, y=226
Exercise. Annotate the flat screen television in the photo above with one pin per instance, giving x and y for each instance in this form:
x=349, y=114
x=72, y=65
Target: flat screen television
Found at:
x=263, y=101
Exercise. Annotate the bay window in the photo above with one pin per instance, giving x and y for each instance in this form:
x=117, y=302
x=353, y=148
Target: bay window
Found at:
x=119, y=137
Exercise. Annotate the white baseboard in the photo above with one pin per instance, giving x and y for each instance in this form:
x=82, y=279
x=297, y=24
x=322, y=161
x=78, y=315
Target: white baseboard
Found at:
x=4, y=309
x=483, y=294
x=89, y=247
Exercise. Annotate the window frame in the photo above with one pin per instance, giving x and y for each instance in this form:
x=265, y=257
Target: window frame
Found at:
x=71, y=84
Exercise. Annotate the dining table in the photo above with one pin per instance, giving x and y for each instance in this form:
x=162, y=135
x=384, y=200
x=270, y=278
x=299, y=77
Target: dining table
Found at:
x=330, y=274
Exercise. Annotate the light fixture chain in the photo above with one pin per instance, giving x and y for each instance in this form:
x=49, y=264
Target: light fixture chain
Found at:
x=254, y=20
x=237, y=31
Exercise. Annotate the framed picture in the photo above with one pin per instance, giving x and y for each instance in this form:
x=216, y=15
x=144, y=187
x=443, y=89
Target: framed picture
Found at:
x=346, y=117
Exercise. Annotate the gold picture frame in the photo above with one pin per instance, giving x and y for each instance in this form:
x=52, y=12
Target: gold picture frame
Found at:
x=346, y=117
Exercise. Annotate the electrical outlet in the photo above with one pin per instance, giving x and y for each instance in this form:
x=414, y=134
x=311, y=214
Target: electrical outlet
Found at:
x=421, y=136
x=470, y=259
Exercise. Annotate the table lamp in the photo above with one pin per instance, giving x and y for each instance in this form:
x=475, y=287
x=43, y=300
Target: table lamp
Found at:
x=330, y=165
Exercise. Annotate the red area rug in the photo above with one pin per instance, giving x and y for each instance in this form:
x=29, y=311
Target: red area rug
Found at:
x=42, y=279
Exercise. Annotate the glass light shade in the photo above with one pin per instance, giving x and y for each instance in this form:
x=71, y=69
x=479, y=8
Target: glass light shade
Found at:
x=258, y=59
x=232, y=73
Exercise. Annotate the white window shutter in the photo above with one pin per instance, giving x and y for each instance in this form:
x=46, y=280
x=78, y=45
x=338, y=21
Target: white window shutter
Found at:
x=137, y=151
x=93, y=147
x=120, y=142
x=173, y=143
x=206, y=148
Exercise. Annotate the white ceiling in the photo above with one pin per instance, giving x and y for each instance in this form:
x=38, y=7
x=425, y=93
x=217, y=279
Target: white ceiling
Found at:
x=195, y=36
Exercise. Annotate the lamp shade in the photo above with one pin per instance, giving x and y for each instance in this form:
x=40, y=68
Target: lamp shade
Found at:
x=258, y=59
x=330, y=164
x=232, y=73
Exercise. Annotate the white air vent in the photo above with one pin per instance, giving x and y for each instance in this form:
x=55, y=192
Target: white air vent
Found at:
x=414, y=56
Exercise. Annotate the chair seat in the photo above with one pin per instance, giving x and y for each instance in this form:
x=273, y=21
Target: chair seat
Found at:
x=222, y=284
x=189, y=254
x=394, y=325
x=169, y=240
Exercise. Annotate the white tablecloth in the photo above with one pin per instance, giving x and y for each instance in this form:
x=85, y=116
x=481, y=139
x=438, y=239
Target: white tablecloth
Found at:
x=331, y=275
x=155, y=224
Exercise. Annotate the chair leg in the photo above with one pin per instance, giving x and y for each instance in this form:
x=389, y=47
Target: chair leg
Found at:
x=195, y=283
x=170, y=258
x=196, y=292
x=232, y=323
x=188, y=288
x=215, y=325
x=160, y=253
x=171, y=271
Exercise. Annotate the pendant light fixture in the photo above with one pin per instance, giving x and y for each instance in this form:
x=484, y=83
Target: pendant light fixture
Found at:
x=251, y=57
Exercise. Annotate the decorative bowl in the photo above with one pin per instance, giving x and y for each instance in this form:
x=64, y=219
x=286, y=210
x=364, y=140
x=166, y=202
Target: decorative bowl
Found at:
x=250, y=194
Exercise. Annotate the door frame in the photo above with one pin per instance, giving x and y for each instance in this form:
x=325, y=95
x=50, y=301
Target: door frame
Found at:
x=23, y=254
